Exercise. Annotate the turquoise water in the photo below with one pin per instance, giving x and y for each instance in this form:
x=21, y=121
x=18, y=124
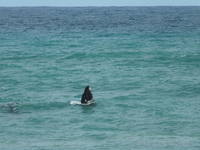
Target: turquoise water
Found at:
x=143, y=64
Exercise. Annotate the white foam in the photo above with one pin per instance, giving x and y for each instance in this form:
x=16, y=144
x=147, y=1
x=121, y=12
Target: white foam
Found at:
x=75, y=103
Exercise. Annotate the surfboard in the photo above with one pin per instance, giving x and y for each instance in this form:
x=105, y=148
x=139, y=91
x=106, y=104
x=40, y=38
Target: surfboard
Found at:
x=79, y=103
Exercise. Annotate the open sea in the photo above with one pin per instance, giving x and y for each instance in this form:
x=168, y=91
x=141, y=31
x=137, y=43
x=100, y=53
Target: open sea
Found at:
x=142, y=63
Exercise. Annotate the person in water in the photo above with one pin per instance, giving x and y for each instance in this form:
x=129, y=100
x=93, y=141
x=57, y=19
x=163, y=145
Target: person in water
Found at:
x=87, y=95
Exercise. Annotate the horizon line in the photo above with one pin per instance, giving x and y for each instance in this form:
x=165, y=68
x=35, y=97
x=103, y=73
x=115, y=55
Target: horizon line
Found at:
x=114, y=6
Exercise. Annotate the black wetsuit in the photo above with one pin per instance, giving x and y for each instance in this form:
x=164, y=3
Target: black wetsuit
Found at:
x=87, y=95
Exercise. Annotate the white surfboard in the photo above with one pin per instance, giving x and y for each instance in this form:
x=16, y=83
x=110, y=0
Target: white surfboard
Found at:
x=79, y=103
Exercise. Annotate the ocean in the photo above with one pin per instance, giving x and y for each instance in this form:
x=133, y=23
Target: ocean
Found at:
x=142, y=63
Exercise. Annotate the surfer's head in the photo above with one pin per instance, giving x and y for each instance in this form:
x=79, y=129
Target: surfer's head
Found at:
x=87, y=89
x=90, y=89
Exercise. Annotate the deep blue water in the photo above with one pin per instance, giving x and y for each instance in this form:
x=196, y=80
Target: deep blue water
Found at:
x=143, y=64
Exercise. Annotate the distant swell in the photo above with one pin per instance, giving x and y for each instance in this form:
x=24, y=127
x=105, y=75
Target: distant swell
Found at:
x=31, y=107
